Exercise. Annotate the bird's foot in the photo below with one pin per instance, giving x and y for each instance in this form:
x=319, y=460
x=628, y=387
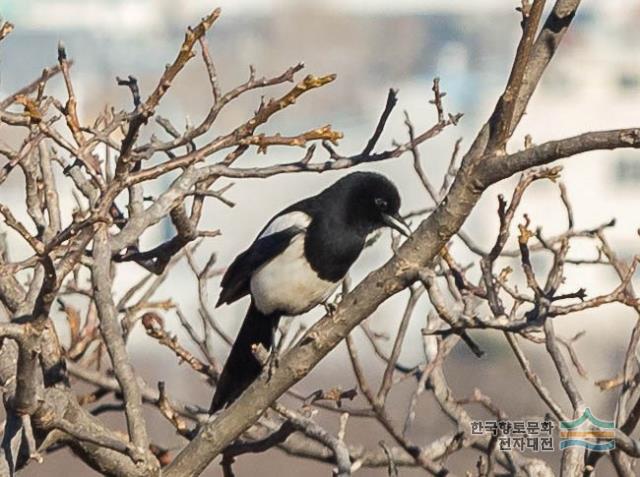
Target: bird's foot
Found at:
x=330, y=308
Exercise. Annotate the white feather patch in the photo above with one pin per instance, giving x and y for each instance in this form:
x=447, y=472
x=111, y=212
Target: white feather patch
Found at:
x=282, y=222
x=288, y=284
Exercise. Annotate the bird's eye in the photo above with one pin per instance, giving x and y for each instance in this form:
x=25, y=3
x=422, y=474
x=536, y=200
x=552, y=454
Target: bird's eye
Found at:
x=381, y=203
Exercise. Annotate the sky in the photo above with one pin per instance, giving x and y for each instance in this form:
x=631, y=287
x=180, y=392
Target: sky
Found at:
x=8, y=8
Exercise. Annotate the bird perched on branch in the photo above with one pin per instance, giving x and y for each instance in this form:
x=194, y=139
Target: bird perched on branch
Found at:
x=297, y=262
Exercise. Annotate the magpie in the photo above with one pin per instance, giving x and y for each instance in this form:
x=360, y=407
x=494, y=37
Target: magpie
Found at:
x=297, y=262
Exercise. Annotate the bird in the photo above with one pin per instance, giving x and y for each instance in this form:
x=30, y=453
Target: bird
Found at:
x=297, y=262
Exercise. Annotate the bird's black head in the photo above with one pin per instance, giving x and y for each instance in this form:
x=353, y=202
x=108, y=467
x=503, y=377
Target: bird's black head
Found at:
x=371, y=201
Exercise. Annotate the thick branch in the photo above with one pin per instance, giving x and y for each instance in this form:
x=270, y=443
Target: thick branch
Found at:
x=112, y=335
x=499, y=168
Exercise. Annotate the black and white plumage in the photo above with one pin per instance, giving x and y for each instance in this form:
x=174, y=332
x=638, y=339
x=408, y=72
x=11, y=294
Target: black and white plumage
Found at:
x=297, y=262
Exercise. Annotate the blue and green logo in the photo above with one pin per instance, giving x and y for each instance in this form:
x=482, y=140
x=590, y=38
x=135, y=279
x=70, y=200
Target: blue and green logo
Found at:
x=589, y=432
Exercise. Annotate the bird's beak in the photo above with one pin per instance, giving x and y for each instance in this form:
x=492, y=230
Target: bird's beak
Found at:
x=396, y=222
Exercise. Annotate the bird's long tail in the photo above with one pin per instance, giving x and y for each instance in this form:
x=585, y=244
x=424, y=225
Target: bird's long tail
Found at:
x=242, y=367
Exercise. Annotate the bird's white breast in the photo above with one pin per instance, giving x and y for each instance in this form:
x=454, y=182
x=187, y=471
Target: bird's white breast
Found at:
x=287, y=283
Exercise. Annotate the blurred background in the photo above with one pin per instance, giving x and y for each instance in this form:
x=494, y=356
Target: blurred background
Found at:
x=593, y=83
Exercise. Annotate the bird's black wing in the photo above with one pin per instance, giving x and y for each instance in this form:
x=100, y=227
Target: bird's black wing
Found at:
x=235, y=282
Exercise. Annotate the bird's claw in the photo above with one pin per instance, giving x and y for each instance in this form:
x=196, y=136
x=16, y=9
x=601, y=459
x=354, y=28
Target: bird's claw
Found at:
x=330, y=308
